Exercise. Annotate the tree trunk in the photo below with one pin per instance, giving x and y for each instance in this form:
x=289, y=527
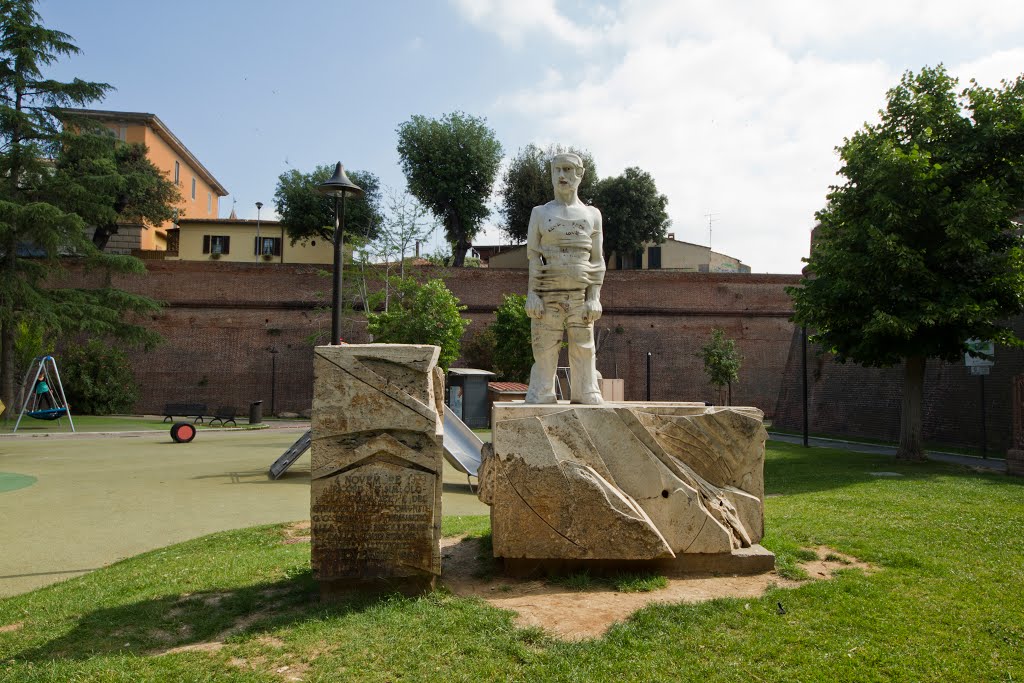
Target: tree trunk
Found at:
x=459, y=256
x=7, y=370
x=911, y=418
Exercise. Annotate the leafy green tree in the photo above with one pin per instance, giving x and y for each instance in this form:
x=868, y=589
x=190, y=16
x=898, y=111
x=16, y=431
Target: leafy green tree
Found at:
x=36, y=228
x=527, y=183
x=513, y=352
x=422, y=314
x=633, y=212
x=98, y=379
x=308, y=215
x=108, y=182
x=451, y=164
x=916, y=252
x=478, y=350
x=721, y=361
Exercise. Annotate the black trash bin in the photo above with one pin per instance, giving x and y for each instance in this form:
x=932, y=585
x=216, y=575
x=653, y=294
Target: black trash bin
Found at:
x=255, y=412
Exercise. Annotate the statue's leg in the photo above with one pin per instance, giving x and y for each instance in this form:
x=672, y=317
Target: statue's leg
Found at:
x=546, y=339
x=582, y=359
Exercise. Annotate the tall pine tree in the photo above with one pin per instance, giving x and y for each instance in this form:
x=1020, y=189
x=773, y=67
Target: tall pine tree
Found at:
x=37, y=230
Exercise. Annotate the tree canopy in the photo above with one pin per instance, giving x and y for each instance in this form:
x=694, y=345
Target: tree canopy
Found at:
x=108, y=182
x=37, y=225
x=450, y=165
x=916, y=252
x=308, y=215
x=527, y=183
x=633, y=212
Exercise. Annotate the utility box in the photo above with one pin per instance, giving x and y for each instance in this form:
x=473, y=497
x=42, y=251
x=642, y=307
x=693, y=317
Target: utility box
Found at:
x=467, y=396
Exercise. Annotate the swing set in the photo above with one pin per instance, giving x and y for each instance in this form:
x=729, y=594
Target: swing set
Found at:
x=45, y=389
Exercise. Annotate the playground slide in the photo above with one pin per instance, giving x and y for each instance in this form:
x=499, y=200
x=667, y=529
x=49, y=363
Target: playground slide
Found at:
x=461, y=448
x=461, y=445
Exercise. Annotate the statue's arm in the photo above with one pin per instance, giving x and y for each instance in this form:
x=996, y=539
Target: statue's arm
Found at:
x=534, y=305
x=592, y=305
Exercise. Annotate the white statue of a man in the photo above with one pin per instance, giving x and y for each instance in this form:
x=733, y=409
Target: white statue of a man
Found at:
x=563, y=245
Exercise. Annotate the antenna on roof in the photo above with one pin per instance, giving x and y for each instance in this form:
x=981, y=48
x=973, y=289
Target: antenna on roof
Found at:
x=710, y=216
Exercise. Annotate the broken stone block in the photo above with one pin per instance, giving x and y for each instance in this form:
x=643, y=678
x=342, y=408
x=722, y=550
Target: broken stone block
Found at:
x=375, y=502
x=626, y=481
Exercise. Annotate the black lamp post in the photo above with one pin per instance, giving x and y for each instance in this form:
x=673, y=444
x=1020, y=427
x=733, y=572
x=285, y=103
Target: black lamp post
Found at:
x=338, y=186
x=273, y=380
x=259, y=244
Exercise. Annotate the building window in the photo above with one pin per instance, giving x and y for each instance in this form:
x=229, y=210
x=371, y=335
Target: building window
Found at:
x=193, y=189
x=209, y=202
x=216, y=244
x=122, y=133
x=268, y=246
x=177, y=173
x=653, y=258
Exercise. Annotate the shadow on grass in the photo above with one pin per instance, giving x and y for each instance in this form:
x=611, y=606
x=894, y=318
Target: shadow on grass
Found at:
x=177, y=621
x=792, y=469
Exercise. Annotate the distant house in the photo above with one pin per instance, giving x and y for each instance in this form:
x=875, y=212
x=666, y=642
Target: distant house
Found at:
x=200, y=191
x=672, y=254
x=246, y=241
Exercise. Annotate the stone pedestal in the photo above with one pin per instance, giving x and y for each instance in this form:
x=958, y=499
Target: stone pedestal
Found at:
x=666, y=486
x=375, y=503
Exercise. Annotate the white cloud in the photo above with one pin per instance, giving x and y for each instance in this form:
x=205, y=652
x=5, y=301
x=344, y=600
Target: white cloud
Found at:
x=512, y=21
x=737, y=107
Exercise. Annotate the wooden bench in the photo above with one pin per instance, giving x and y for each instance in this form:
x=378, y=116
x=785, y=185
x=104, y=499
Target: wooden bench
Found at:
x=224, y=414
x=193, y=410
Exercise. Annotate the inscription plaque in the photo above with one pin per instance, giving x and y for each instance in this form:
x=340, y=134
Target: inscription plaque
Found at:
x=375, y=498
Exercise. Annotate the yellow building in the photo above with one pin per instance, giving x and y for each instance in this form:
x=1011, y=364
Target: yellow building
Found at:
x=200, y=191
x=243, y=241
x=672, y=254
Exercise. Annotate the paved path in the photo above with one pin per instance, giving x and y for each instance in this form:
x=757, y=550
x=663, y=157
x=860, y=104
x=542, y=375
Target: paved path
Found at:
x=96, y=499
x=995, y=464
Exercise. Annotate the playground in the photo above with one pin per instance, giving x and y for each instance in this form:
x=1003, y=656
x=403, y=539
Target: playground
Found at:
x=86, y=500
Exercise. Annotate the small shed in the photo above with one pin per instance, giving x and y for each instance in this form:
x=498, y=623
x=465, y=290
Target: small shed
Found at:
x=501, y=392
x=467, y=396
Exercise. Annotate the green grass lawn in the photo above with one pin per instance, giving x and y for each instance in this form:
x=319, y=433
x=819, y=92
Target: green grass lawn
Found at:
x=947, y=603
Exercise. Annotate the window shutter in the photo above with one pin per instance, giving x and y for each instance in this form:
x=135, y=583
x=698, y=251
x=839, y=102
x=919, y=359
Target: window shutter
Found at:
x=206, y=244
x=227, y=244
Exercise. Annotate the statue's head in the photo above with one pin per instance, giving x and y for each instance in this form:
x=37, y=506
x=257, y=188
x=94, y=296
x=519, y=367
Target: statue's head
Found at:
x=566, y=171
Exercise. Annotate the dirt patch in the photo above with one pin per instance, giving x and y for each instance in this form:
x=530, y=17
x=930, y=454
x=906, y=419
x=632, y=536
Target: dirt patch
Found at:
x=296, y=532
x=577, y=615
x=8, y=628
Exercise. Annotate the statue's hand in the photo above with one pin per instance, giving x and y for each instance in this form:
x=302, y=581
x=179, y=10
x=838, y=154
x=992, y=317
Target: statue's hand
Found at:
x=592, y=311
x=534, y=306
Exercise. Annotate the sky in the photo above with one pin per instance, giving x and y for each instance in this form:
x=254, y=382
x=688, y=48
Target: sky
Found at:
x=735, y=107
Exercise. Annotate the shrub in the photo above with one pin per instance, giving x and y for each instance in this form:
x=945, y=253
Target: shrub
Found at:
x=98, y=379
x=513, y=353
x=422, y=314
x=478, y=351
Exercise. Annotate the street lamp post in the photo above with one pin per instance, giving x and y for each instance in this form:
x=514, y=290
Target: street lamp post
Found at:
x=338, y=186
x=259, y=244
x=273, y=380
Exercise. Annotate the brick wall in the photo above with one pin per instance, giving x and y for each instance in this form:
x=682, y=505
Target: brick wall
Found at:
x=850, y=400
x=222, y=319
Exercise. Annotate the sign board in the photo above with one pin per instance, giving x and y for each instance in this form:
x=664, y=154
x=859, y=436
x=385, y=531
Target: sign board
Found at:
x=986, y=357
x=979, y=369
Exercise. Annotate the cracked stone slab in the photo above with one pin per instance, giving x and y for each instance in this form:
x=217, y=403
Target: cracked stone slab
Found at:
x=624, y=480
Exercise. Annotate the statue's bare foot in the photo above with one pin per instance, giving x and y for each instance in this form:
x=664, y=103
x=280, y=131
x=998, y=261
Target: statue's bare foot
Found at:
x=590, y=400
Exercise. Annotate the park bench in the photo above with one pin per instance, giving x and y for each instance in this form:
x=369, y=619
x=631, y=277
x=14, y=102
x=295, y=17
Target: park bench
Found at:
x=193, y=410
x=224, y=414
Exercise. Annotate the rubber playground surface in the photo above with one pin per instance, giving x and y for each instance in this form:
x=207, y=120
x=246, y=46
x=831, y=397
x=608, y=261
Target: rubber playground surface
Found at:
x=73, y=504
